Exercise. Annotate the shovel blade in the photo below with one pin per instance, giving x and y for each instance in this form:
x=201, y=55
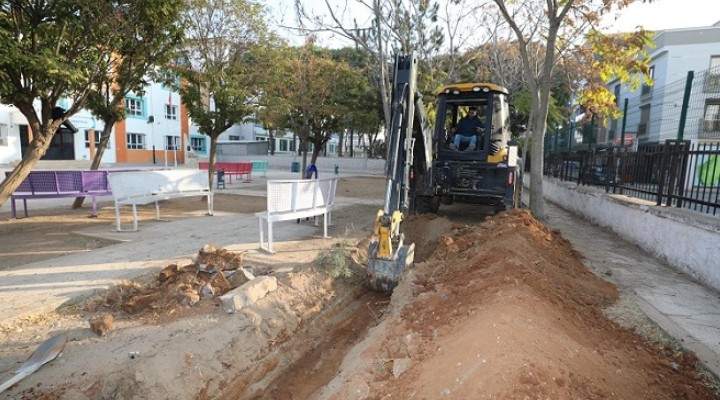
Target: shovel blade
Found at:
x=45, y=353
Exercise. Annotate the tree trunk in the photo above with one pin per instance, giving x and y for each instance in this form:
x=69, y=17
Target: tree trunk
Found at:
x=99, y=152
x=341, y=141
x=352, y=144
x=212, y=157
x=271, y=132
x=35, y=151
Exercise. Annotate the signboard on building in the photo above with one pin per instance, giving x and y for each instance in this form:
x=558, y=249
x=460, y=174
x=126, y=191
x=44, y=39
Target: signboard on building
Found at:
x=631, y=142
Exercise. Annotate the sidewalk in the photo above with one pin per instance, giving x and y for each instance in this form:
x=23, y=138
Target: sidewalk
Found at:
x=685, y=309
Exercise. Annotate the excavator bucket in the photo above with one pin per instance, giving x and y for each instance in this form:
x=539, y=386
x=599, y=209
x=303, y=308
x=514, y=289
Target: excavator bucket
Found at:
x=384, y=275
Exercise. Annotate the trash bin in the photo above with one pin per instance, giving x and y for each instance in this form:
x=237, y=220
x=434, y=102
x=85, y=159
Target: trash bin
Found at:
x=295, y=166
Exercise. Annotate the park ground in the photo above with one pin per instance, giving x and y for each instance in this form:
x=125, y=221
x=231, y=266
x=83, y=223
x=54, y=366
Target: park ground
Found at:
x=496, y=307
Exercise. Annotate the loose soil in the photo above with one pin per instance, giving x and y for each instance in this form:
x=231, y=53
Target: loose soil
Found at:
x=496, y=307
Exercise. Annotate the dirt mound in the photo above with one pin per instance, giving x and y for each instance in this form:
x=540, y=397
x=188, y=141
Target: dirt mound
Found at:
x=505, y=309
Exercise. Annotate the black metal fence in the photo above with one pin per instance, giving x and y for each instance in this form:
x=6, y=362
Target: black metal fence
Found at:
x=684, y=109
x=676, y=173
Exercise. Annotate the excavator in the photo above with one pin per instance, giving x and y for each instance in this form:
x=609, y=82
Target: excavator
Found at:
x=424, y=170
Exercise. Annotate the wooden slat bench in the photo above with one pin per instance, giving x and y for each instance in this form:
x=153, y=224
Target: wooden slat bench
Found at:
x=296, y=198
x=143, y=187
x=58, y=184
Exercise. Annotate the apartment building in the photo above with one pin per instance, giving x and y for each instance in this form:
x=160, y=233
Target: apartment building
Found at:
x=655, y=112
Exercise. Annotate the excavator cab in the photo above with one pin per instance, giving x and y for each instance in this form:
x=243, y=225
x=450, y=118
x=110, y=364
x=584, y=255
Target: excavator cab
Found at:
x=490, y=102
x=485, y=173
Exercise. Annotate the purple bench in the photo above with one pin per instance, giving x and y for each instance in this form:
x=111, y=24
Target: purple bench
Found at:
x=56, y=184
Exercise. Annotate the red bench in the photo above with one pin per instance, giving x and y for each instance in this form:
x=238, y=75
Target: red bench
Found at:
x=57, y=184
x=239, y=169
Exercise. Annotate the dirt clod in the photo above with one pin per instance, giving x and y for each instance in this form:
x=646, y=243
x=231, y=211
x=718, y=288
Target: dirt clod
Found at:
x=101, y=324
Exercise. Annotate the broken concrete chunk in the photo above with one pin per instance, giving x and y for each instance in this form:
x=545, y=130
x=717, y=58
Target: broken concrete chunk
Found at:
x=189, y=298
x=240, y=277
x=248, y=293
x=219, y=283
x=400, y=365
x=207, y=291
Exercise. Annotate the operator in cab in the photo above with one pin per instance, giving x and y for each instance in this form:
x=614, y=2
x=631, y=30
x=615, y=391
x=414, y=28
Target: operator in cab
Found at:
x=467, y=131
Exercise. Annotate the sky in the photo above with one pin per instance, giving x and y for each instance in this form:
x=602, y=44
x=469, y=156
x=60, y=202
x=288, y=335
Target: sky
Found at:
x=666, y=14
x=658, y=15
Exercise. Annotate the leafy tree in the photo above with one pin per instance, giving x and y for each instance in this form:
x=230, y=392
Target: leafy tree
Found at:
x=316, y=98
x=557, y=26
x=150, y=32
x=51, y=50
x=363, y=117
x=223, y=66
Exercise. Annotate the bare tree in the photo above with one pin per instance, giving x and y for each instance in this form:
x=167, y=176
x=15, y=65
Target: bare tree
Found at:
x=391, y=26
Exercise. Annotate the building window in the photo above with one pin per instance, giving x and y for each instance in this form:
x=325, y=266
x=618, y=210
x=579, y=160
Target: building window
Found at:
x=646, y=89
x=284, y=145
x=714, y=64
x=87, y=139
x=4, y=135
x=644, y=119
x=134, y=107
x=135, y=141
x=197, y=144
x=172, y=142
x=292, y=145
x=711, y=120
x=171, y=112
x=234, y=137
x=712, y=78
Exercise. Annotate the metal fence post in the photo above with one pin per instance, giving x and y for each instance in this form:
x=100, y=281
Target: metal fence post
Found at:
x=624, y=122
x=686, y=100
x=620, y=163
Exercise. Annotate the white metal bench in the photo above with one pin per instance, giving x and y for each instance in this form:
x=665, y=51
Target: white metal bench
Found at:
x=297, y=198
x=143, y=187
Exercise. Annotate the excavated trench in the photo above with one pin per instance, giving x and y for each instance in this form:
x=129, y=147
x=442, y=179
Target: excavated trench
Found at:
x=303, y=364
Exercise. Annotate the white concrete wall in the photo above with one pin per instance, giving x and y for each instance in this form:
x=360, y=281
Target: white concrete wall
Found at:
x=10, y=117
x=324, y=164
x=687, y=240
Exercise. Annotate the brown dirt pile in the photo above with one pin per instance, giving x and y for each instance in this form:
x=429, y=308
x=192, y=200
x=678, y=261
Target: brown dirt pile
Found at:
x=506, y=310
x=213, y=272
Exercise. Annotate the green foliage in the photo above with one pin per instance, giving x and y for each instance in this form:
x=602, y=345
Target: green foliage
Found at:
x=151, y=33
x=336, y=262
x=621, y=56
x=522, y=102
x=53, y=49
x=223, y=62
x=318, y=95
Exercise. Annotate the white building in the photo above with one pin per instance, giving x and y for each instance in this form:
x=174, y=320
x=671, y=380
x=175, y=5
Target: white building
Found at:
x=654, y=112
